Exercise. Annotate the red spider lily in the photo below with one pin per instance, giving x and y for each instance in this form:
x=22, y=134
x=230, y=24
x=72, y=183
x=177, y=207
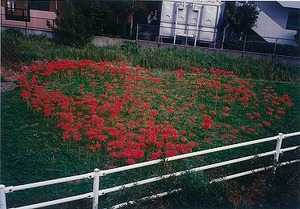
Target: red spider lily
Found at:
x=25, y=94
x=226, y=115
x=94, y=83
x=226, y=109
x=234, y=131
x=208, y=141
x=136, y=118
x=224, y=136
x=153, y=112
x=202, y=106
x=207, y=122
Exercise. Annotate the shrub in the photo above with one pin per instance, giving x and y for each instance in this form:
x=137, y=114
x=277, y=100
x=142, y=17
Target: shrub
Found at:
x=82, y=20
x=131, y=47
x=70, y=29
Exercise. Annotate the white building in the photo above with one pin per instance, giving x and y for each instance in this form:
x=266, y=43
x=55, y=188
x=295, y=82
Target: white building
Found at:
x=278, y=21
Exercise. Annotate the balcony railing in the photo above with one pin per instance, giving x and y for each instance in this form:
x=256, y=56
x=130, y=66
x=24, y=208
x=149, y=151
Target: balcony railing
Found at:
x=17, y=14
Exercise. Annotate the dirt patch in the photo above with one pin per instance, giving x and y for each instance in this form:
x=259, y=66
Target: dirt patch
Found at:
x=10, y=72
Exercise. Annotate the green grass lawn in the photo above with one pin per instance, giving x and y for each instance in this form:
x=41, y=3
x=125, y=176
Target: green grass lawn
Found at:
x=33, y=150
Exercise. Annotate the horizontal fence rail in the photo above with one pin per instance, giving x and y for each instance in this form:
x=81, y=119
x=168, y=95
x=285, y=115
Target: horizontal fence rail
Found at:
x=97, y=192
x=218, y=39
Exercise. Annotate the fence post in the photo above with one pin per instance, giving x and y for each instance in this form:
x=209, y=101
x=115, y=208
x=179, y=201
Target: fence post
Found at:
x=96, y=188
x=274, y=51
x=224, y=35
x=244, y=45
x=2, y=197
x=137, y=32
x=278, y=148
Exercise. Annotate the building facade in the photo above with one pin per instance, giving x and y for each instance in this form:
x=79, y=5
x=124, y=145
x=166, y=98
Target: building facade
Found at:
x=30, y=16
x=278, y=21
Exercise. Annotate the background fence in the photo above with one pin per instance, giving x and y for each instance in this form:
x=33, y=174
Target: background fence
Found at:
x=97, y=174
x=222, y=40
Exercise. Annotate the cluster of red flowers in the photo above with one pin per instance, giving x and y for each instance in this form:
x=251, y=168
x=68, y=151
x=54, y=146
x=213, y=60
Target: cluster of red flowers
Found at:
x=134, y=115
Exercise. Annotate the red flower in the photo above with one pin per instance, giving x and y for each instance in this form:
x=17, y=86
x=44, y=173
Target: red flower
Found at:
x=207, y=122
x=213, y=112
x=94, y=83
x=25, y=94
x=208, y=141
x=224, y=136
x=226, y=109
x=130, y=161
x=202, y=106
x=234, y=131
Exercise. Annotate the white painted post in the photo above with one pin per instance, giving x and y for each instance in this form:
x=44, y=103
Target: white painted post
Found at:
x=274, y=51
x=278, y=148
x=96, y=188
x=137, y=32
x=244, y=45
x=224, y=35
x=2, y=197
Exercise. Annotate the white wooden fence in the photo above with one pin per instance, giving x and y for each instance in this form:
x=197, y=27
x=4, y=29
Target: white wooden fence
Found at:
x=97, y=174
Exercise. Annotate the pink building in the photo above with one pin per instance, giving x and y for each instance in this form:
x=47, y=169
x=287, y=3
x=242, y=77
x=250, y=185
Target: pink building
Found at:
x=31, y=15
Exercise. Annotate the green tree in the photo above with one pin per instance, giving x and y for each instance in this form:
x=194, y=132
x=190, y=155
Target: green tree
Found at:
x=123, y=10
x=81, y=21
x=241, y=18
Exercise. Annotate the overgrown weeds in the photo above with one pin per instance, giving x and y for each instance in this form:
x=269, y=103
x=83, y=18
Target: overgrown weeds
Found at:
x=30, y=48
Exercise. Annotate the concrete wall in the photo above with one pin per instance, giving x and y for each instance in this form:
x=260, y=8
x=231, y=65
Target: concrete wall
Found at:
x=105, y=41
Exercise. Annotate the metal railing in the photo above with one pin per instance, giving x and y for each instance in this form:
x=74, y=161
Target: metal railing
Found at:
x=97, y=174
x=218, y=39
x=21, y=19
x=19, y=14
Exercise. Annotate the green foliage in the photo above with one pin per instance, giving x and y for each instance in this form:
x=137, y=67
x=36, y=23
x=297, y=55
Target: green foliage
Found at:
x=94, y=13
x=70, y=29
x=131, y=47
x=31, y=147
x=172, y=58
x=11, y=45
x=241, y=18
x=82, y=20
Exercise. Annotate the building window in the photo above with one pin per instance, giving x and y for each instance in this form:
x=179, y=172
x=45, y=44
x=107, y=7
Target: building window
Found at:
x=10, y=5
x=39, y=5
x=293, y=21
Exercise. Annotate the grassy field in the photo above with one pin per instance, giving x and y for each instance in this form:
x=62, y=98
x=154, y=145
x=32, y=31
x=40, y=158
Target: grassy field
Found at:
x=35, y=148
x=26, y=49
